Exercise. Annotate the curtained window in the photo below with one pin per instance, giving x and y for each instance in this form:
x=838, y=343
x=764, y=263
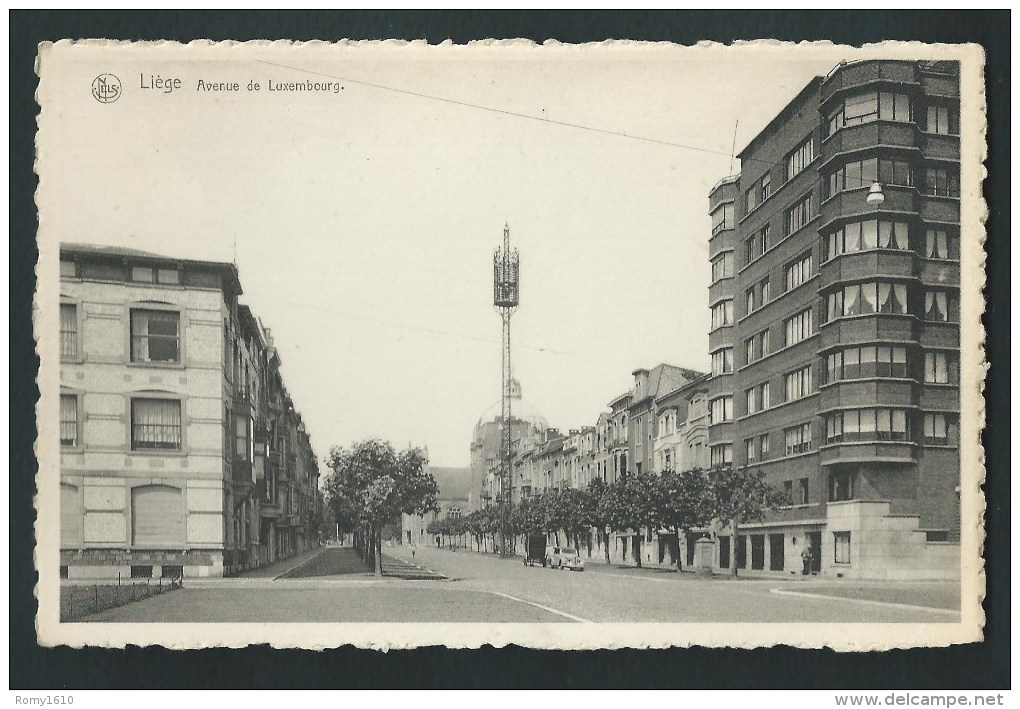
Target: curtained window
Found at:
x=68, y=330
x=68, y=420
x=155, y=424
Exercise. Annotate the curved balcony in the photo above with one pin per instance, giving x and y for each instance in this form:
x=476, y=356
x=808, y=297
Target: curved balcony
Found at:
x=870, y=135
x=853, y=75
x=852, y=205
x=868, y=452
x=861, y=265
x=939, y=335
x=860, y=393
x=940, y=398
x=874, y=327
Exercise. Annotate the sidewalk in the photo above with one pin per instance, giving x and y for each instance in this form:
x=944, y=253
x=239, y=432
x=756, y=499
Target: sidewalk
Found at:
x=282, y=566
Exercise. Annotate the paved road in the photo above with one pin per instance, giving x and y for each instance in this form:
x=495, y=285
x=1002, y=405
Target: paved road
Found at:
x=484, y=588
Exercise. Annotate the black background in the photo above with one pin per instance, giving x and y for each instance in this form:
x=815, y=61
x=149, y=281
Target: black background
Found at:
x=980, y=665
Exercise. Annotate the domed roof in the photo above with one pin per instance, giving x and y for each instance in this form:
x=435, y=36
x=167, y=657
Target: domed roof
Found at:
x=520, y=410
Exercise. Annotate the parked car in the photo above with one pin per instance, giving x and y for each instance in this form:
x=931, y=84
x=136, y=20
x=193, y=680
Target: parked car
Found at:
x=564, y=558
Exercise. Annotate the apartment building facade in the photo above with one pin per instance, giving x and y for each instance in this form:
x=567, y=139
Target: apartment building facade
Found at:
x=165, y=421
x=834, y=340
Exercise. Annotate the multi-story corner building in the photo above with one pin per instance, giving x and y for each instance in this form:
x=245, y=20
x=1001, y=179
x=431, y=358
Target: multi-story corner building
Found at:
x=164, y=409
x=834, y=335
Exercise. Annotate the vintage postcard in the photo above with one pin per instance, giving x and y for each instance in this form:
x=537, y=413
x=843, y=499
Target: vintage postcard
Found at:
x=563, y=346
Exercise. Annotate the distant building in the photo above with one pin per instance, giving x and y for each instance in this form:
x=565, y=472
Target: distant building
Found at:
x=486, y=441
x=180, y=450
x=453, y=501
x=835, y=324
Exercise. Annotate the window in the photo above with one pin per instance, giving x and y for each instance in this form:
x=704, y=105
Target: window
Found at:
x=722, y=314
x=798, y=384
x=155, y=424
x=936, y=305
x=799, y=214
x=721, y=409
x=942, y=119
x=798, y=439
x=798, y=271
x=146, y=274
x=756, y=296
x=68, y=420
x=939, y=429
x=841, y=543
x=155, y=336
x=802, y=491
x=788, y=491
x=750, y=449
x=721, y=454
x=757, y=193
x=866, y=362
x=722, y=267
x=799, y=327
x=940, y=368
x=940, y=243
x=756, y=346
x=722, y=361
x=841, y=486
x=942, y=182
x=763, y=445
x=749, y=251
x=757, y=398
x=68, y=330
x=861, y=174
x=867, y=298
x=801, y=157
x=867, y=425
x=722, y=218
x=863, y=236
x=763, y=240
x=68, y=269
x=865, y=108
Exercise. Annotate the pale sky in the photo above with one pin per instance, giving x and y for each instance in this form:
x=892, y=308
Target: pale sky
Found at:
x=365, y=220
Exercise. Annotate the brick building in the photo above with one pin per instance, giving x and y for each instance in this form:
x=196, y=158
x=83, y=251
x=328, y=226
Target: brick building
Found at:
x=835, y=324
x=181, y=452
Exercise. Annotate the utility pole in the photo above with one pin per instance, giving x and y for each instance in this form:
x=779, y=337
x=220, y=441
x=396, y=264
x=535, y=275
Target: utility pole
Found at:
x=506, y=286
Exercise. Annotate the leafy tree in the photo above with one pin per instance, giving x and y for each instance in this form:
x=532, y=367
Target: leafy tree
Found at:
x=631, y=504
x=372, y=483
x=740, y=496
x=684, y=503
x=596, y=511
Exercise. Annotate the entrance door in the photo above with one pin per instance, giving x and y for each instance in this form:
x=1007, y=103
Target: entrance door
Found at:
x=690, y=549
x=757, y=552
x=742, y=551
x=816, y=551
x=724, y=552
x=777, y=552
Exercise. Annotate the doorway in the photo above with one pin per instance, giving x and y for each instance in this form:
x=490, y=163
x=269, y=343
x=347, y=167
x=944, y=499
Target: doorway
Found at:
x=815, y=538
x=777, y=552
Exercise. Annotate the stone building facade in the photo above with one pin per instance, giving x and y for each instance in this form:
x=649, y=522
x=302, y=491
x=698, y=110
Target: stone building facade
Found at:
x=166, y=421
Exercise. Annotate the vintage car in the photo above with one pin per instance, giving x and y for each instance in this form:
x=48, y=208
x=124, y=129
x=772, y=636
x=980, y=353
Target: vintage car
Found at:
x=564, y=558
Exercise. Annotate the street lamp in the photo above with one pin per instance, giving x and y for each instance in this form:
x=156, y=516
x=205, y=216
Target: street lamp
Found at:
x=875, y=195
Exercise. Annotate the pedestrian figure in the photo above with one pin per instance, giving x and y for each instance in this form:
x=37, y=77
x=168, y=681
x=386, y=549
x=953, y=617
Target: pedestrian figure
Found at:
x=413, y=550
x=806, y=557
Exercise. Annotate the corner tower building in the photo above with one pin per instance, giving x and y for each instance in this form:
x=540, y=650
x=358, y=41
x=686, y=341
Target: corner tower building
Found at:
x=835, y=324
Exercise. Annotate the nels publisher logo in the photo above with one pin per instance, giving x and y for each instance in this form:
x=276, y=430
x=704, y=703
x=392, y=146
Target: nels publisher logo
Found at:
x=106, y=88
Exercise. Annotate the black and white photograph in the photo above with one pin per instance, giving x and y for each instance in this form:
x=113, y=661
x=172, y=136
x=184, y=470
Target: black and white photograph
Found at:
x=567, y=346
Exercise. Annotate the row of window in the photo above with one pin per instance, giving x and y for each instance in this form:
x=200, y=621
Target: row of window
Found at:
x=869, y=424
x=938, y=180
x=940, y=116
x=155, y=423
x=882, y=424
x=881, y=297
x=848, y=363
x=138, y=274
x=155, y=335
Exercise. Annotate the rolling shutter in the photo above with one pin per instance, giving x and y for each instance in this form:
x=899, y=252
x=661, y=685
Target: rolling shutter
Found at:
x=70, y=517
x=156, y=516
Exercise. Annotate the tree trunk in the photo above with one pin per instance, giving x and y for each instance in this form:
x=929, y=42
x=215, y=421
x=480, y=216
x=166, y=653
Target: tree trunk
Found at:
x=638, y=538
x=605, y=540
x=377, y=543
x=733, y=561
x=679, y=551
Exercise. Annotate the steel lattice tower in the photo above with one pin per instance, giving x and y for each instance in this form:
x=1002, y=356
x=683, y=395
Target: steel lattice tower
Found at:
x=506, y=287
